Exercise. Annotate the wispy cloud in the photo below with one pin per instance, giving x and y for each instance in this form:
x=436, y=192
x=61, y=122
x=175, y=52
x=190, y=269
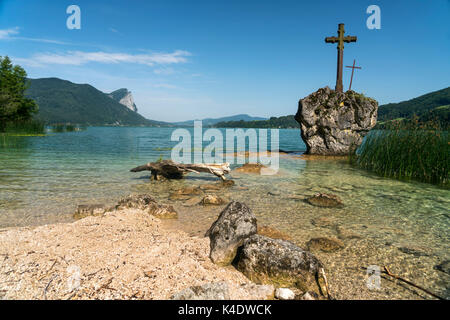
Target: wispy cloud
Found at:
x=6, y=33
x=9, y=34
x=78, y=58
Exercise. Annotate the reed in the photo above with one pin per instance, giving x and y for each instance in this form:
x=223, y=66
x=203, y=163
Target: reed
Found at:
x=25, y=127
x=407, y=150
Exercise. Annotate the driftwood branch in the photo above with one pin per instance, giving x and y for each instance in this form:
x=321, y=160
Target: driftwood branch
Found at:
x=389, y=273
x=386, y=271
x=171, y=170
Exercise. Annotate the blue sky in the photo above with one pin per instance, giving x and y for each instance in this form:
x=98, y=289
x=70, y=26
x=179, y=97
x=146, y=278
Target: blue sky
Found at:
x=196, y=59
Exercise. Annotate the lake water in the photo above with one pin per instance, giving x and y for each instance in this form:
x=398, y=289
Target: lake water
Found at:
x=404, y=225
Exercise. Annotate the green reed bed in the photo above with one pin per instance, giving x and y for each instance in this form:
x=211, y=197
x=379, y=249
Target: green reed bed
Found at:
x=407, y=151
x=26, y=127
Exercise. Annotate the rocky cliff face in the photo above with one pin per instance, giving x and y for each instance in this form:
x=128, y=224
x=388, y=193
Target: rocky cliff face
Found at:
x=124, y=97
x=334, y=123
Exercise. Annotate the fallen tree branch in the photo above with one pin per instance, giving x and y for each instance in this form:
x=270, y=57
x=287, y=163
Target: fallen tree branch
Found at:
x=171, y=170
x=386, y=271
x=389, y=273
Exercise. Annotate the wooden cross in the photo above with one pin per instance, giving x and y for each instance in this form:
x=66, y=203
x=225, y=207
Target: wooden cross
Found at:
x=340, y=40
x=353, y=69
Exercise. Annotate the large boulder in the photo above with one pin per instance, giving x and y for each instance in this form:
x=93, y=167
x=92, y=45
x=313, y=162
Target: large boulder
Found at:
x=279, y=262
x=235, y=223
x=335, y=123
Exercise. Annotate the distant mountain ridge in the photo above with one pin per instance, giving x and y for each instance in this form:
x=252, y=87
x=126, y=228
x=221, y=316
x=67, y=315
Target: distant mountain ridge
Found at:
x=213, y=121
x=61, y=101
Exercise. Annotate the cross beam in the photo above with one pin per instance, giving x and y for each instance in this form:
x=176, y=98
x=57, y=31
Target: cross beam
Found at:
x=340, y=40
x=353, y=70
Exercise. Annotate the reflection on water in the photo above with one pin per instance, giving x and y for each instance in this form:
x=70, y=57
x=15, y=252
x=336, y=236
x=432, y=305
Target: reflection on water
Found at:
x=401, y=224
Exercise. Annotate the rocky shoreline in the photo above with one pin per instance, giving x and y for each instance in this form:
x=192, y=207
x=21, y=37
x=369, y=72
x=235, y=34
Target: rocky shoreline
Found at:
x=124, y=252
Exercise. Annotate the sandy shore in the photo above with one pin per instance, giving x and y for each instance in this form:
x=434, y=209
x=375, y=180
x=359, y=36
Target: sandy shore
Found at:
x=125, y=254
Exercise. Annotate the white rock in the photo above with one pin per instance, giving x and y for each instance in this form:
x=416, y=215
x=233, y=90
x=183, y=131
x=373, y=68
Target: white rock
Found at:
x=284, y=294
x=307, y=296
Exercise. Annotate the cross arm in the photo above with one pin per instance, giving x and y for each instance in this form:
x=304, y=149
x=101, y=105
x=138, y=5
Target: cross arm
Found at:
x=350, y=39
x=331, y=39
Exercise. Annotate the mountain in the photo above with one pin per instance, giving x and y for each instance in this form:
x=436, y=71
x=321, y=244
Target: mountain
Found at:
x=426, y=107
x=213, y=121
x=61, y=101
x=124, y=97
x=273, y=122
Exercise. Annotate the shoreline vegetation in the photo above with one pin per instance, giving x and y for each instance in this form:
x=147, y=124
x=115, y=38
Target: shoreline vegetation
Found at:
x=410, y=150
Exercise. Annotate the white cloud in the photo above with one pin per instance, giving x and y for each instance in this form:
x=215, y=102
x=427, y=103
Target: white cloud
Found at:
x=79, y=58
x=6, y=33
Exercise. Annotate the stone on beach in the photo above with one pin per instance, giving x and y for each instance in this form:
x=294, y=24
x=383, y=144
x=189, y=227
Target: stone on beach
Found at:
x=325, y=200
x=335, y=123
x=208, y=291
x=235, y=223
x=86, y=210
x=284, y=294
x=279, y=262
x=148, y=204
x=220, y=291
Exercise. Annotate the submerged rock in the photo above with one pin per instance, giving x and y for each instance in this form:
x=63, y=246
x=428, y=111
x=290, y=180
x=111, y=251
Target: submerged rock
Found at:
x=325, y=244
x=147, y=203
x=325, y=200
x=211, y=199
x=250, y=168
x=85, y=210
x=192, y=201
x=279, y=262
x=185, y=193
x=209, y=291
x=235, y=223
x=135, y=201
x=273, y=233
x=217, y=186
x=335, y=123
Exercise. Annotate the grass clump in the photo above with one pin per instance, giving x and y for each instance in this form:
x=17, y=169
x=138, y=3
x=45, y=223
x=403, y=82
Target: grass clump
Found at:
x=407, y=150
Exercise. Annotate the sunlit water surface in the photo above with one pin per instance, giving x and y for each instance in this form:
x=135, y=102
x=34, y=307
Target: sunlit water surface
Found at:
x=404, y=225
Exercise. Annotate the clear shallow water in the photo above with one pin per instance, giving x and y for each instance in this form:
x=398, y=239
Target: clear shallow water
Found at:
x=404, y=225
